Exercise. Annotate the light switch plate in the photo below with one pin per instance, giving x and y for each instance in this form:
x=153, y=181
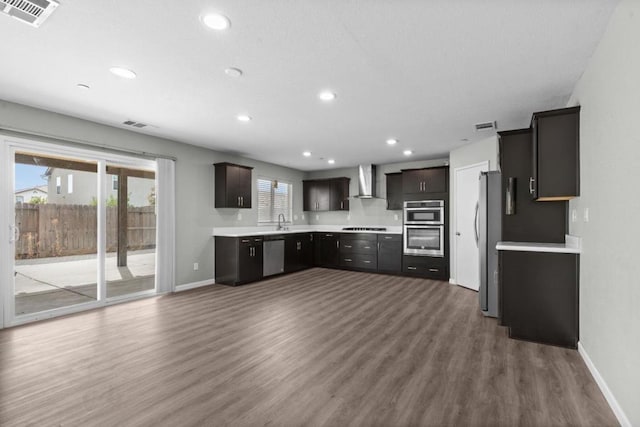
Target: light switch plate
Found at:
x=239, y=216
x=586, y=214
x=574, y=215
x=195, y=266
x=395, y=217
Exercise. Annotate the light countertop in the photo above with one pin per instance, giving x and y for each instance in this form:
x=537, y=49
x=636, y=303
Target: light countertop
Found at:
x=270, y=230
x=572, y=245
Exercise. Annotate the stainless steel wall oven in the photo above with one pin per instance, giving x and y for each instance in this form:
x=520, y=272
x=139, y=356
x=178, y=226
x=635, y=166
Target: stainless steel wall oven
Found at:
x=424, y=228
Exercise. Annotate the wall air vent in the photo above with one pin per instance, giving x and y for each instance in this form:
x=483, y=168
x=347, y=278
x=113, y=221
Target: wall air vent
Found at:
x=486, y=126
x=32, y=12
x=134, y=124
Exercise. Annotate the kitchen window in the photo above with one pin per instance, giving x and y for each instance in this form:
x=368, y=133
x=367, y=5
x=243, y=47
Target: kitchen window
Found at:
x=274, y=198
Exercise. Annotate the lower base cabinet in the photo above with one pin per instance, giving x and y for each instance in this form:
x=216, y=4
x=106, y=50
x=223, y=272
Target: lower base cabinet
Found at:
x=238, y=259
x=390, y=253
x=426, y=266
x=326, y=249
x=539, y=296
x=298, y=252
x=359, y=251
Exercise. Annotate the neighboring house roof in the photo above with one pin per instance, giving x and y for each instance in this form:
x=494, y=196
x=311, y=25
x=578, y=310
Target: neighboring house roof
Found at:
x=41, y=188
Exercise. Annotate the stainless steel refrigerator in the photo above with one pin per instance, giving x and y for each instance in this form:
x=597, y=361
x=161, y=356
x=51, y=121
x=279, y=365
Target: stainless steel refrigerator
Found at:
x=489, y=234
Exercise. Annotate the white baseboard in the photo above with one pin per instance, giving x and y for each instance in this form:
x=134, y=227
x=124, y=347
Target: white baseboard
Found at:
x=194, y=285
x=613, y=403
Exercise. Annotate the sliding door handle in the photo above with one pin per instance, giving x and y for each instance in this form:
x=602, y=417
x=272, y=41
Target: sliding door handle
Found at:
x=16, y=233
x=475, y=223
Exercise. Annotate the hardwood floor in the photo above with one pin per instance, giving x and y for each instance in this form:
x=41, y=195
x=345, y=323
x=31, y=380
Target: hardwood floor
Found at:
x=319, y=347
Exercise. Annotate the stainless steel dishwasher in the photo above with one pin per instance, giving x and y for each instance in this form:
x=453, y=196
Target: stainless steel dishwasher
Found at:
x=273, y=261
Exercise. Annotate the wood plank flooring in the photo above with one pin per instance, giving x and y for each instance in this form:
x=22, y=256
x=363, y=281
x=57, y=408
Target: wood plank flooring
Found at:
x=319, y=347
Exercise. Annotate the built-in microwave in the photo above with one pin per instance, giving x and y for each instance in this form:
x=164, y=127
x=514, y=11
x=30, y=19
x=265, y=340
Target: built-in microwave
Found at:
x=425, y=212
x=424, y=240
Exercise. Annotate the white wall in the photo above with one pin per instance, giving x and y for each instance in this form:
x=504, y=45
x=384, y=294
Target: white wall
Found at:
x=195, y=212
x=366, y=211
x=470, y=154
x=609, y=93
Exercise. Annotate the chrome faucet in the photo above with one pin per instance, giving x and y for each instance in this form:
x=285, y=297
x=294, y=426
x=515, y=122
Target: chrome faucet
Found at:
x=281, y=225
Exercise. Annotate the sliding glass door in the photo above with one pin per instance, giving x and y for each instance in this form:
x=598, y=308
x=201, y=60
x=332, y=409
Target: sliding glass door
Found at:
x=82, y=230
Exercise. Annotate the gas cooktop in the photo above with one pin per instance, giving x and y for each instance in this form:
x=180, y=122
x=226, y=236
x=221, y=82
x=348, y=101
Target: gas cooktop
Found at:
x=364, y=229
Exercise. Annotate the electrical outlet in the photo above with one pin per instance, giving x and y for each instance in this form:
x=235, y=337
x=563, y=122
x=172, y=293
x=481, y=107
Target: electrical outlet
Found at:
x=348, y=217
x=295, y=217
x=395, y=217
x=317, y=217
x=586, y=214
x=239, y=216
x=574, y=215
x=302, y=216
x=195, y=266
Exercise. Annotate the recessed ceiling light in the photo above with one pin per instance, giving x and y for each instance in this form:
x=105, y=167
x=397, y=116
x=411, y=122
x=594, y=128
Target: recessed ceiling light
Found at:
x=392, y=141
x=83, y=86
x=407, y=152
x=307, y=154
x=327, y=95
x=233, y=72
x=243, y=118
x=216, y=21
x=331, y=161
x=123, y=72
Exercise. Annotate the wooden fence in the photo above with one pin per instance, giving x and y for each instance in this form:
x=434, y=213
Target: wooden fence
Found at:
x=52, y=230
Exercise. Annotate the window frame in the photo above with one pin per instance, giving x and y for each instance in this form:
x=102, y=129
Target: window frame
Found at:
x=273, y=219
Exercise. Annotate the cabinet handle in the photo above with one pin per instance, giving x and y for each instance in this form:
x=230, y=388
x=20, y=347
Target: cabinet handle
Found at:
x=238, y=201
x=257, y=240
x=378, y=246
x=245, y=240
x=338, y=244
x=367, y=262
x=425, y=185
x=328, y=235
x=341, y=205
x=348, y=259
x=531, y=181
x=388, y=237
x=434, y=270
x=367, y=247
x=348, y=246
x=411, y=268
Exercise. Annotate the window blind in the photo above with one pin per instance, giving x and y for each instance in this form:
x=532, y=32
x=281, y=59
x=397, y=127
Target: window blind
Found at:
x=274, y=198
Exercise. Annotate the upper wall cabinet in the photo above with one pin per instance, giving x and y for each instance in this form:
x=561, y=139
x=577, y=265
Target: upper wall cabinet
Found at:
x=394, y=191
x=422, y=181
x=326, y=194
x=233, y=186
x=556, y=155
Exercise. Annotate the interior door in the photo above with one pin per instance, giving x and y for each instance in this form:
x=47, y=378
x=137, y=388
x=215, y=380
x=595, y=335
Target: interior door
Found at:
x=467, y=252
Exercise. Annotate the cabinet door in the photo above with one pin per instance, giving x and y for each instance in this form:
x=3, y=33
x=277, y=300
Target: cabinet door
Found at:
x=245, y=260
x=243, y=186
x=323, y=195
x=291, y=255
x=339, y=194
x=306, y=252
x=327, y=250
x=435, y=180
x=555, y=171
x=394, y=191
x=390, y=253
x=412, y=181
x=308, y=196
x=233, y=197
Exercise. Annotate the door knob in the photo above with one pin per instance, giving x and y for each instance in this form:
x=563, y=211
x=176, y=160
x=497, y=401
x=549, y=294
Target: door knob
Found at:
x=457, y=233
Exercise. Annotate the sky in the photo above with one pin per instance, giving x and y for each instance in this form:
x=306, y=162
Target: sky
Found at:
x=28, y=176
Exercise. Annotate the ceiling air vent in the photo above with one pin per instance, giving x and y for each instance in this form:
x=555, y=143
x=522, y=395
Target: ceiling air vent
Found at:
x=134, y=124
x=33, y=12
x=486, y=126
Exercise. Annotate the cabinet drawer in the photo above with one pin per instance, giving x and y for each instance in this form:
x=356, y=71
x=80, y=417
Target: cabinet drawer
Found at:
x=390, y=238
x=358, y=246
x=361, y=261
x=432, y=267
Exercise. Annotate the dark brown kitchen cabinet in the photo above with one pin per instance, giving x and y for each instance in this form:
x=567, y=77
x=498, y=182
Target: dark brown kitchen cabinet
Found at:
x=238, y=260
x=555, y=172
x=232, y=186
x=339, y=196
x=325, y=194
x=326, y=249
x=426, y=266
x=390, y=253
x=298, y=252
x=394, y=191
x=425, y=181
x=359, y=251
x=538, y=294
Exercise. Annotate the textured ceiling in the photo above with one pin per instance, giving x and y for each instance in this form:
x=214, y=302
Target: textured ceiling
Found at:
x=420, y=71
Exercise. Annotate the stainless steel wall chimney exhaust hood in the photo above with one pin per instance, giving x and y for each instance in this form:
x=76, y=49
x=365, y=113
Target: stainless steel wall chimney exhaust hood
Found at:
x=366, y=181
